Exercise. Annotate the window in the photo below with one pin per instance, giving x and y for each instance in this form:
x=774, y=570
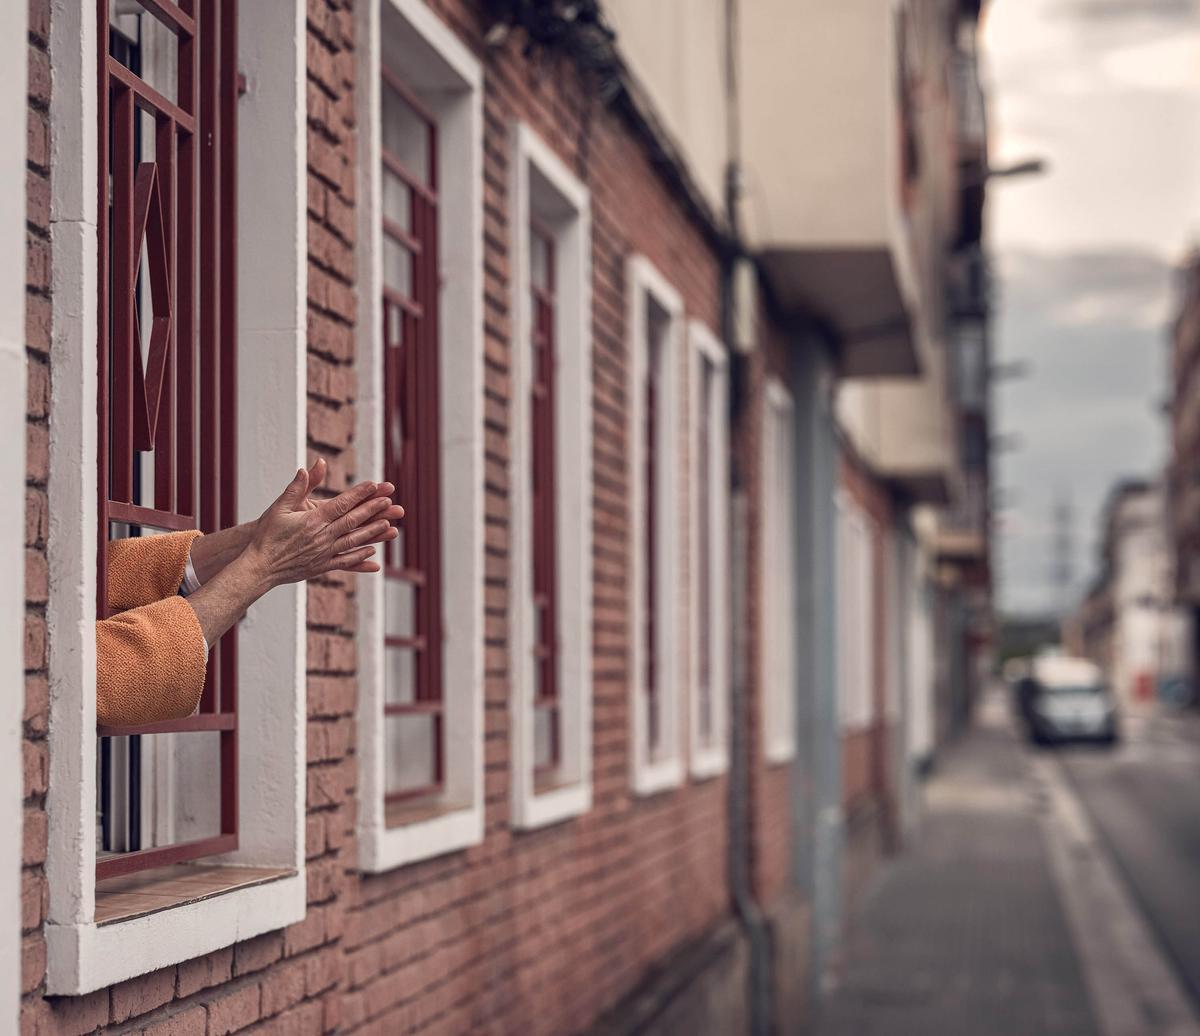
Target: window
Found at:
x=420, y=355
x=165, y=396
x=14, y=113
x=551, y=487
x=779, y=575
x=412, y=713
x=709, y=449
x=655, y=319
x=855, y=615
x=149, y=438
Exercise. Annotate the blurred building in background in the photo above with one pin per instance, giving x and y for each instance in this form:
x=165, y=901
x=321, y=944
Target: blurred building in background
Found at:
x=671, y=323
x=1183, y=473
x=1129, y=622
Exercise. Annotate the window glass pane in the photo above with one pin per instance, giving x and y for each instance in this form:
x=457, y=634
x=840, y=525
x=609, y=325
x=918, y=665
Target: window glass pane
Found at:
x=144, y=45
x=543, y=737
x=400, y=674
x=539, y=260
x=397, y=267
x=156, y=789
x=397, y=201
x=410, y=751
x=400, y=600
x=405, y=134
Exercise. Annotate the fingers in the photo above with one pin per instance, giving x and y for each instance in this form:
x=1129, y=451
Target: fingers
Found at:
x=296, y=489
x=362, y=514
x=351, y=560
x=317, y=473
x=345, y=502
x=378, y=531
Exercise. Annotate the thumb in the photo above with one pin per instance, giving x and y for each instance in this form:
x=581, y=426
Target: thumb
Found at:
x=296, y=489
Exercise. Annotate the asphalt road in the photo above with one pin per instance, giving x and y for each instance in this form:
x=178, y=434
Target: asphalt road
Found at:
x=1143, y=797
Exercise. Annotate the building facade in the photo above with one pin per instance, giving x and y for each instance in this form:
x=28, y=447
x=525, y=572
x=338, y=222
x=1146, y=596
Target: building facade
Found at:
x=1130, y=623
x=637, y=700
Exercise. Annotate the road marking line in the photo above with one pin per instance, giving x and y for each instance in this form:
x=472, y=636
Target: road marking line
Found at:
x=1133, y=989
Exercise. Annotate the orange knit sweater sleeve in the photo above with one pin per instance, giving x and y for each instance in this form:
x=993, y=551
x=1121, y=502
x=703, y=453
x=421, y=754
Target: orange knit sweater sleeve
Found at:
x=150, y=664
x=150, y=658
x=145, y=569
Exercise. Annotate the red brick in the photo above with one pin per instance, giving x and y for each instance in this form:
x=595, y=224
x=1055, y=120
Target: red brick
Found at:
x=191, y=1021
x=37, y=577
x=257, y=953
x=282, y=987
x=37, y=452
x=76, y=1015
x=234, y=1011
x=39, y=75
x=203, y=972
x=142, y=994
x=33, y=900
x=33, y=841
x=37, y=771
x=33, y=962
x=36, y=517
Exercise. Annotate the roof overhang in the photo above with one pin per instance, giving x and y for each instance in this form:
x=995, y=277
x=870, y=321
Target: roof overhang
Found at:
x=920, y=487
x=858, y=294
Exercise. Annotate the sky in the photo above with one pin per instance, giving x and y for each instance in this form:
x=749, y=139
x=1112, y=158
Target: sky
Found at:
x=1107, y=92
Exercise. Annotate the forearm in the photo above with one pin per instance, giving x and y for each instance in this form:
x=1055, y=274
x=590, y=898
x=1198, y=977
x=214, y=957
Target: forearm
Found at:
x=224, y=599
x=211, y=553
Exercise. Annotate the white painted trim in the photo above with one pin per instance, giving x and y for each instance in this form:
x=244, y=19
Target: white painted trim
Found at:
x=272, y=202
x=14, y=113
x=855, y=636
x=449, y=79
x=89, y=956
x=778, y=577
x=653, y=775
x=570, y=223
x=708, y=760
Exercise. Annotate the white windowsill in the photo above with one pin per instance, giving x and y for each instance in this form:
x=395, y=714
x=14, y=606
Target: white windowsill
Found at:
x=86, y=957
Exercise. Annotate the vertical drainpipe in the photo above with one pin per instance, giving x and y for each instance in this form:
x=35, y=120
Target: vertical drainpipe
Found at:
x=741, y=890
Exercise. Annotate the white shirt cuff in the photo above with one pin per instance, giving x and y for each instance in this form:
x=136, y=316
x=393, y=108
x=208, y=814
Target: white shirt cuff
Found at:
x=190, y=583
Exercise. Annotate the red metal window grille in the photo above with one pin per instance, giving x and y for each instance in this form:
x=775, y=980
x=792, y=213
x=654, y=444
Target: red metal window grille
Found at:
x=166, y=407
x=547, y=711
x=650, y=474
x=704, y=595
x=413, y=707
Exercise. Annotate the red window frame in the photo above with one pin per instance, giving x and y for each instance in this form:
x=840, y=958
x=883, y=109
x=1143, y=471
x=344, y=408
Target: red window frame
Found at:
x=544, y=503
x=182, y=406
x=704, y=556
x=650, y=474
x=412, y=452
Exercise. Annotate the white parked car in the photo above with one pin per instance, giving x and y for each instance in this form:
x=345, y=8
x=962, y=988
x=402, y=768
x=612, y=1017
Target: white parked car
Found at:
x=1067, y=699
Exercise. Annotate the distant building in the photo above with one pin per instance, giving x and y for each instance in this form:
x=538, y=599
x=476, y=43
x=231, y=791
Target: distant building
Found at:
x=1129, y=623
x=1184, y=471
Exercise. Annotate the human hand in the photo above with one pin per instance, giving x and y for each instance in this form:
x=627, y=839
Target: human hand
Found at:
x=298, y=538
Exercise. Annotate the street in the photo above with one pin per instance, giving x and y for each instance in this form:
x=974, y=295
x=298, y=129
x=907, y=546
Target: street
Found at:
x=1048, y=891
x=1143, y=800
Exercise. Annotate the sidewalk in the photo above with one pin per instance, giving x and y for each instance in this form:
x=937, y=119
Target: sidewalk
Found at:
x=964, y=933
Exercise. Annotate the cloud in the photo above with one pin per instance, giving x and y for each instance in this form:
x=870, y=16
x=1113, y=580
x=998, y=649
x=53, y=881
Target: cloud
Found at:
x=1125, y=10
x=1091, y=326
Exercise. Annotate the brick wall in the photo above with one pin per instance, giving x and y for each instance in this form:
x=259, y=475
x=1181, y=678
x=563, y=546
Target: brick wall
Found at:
x=539, y=931
x=529, y=932
x=770, y=815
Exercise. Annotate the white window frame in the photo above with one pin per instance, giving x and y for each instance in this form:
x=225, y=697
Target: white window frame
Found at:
x=855, y=617
x=649, y=776
x=778, y=575
x=272, y=415
x=708, y=760
x=438, y=67
x=14, y=113
x=543, y=187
